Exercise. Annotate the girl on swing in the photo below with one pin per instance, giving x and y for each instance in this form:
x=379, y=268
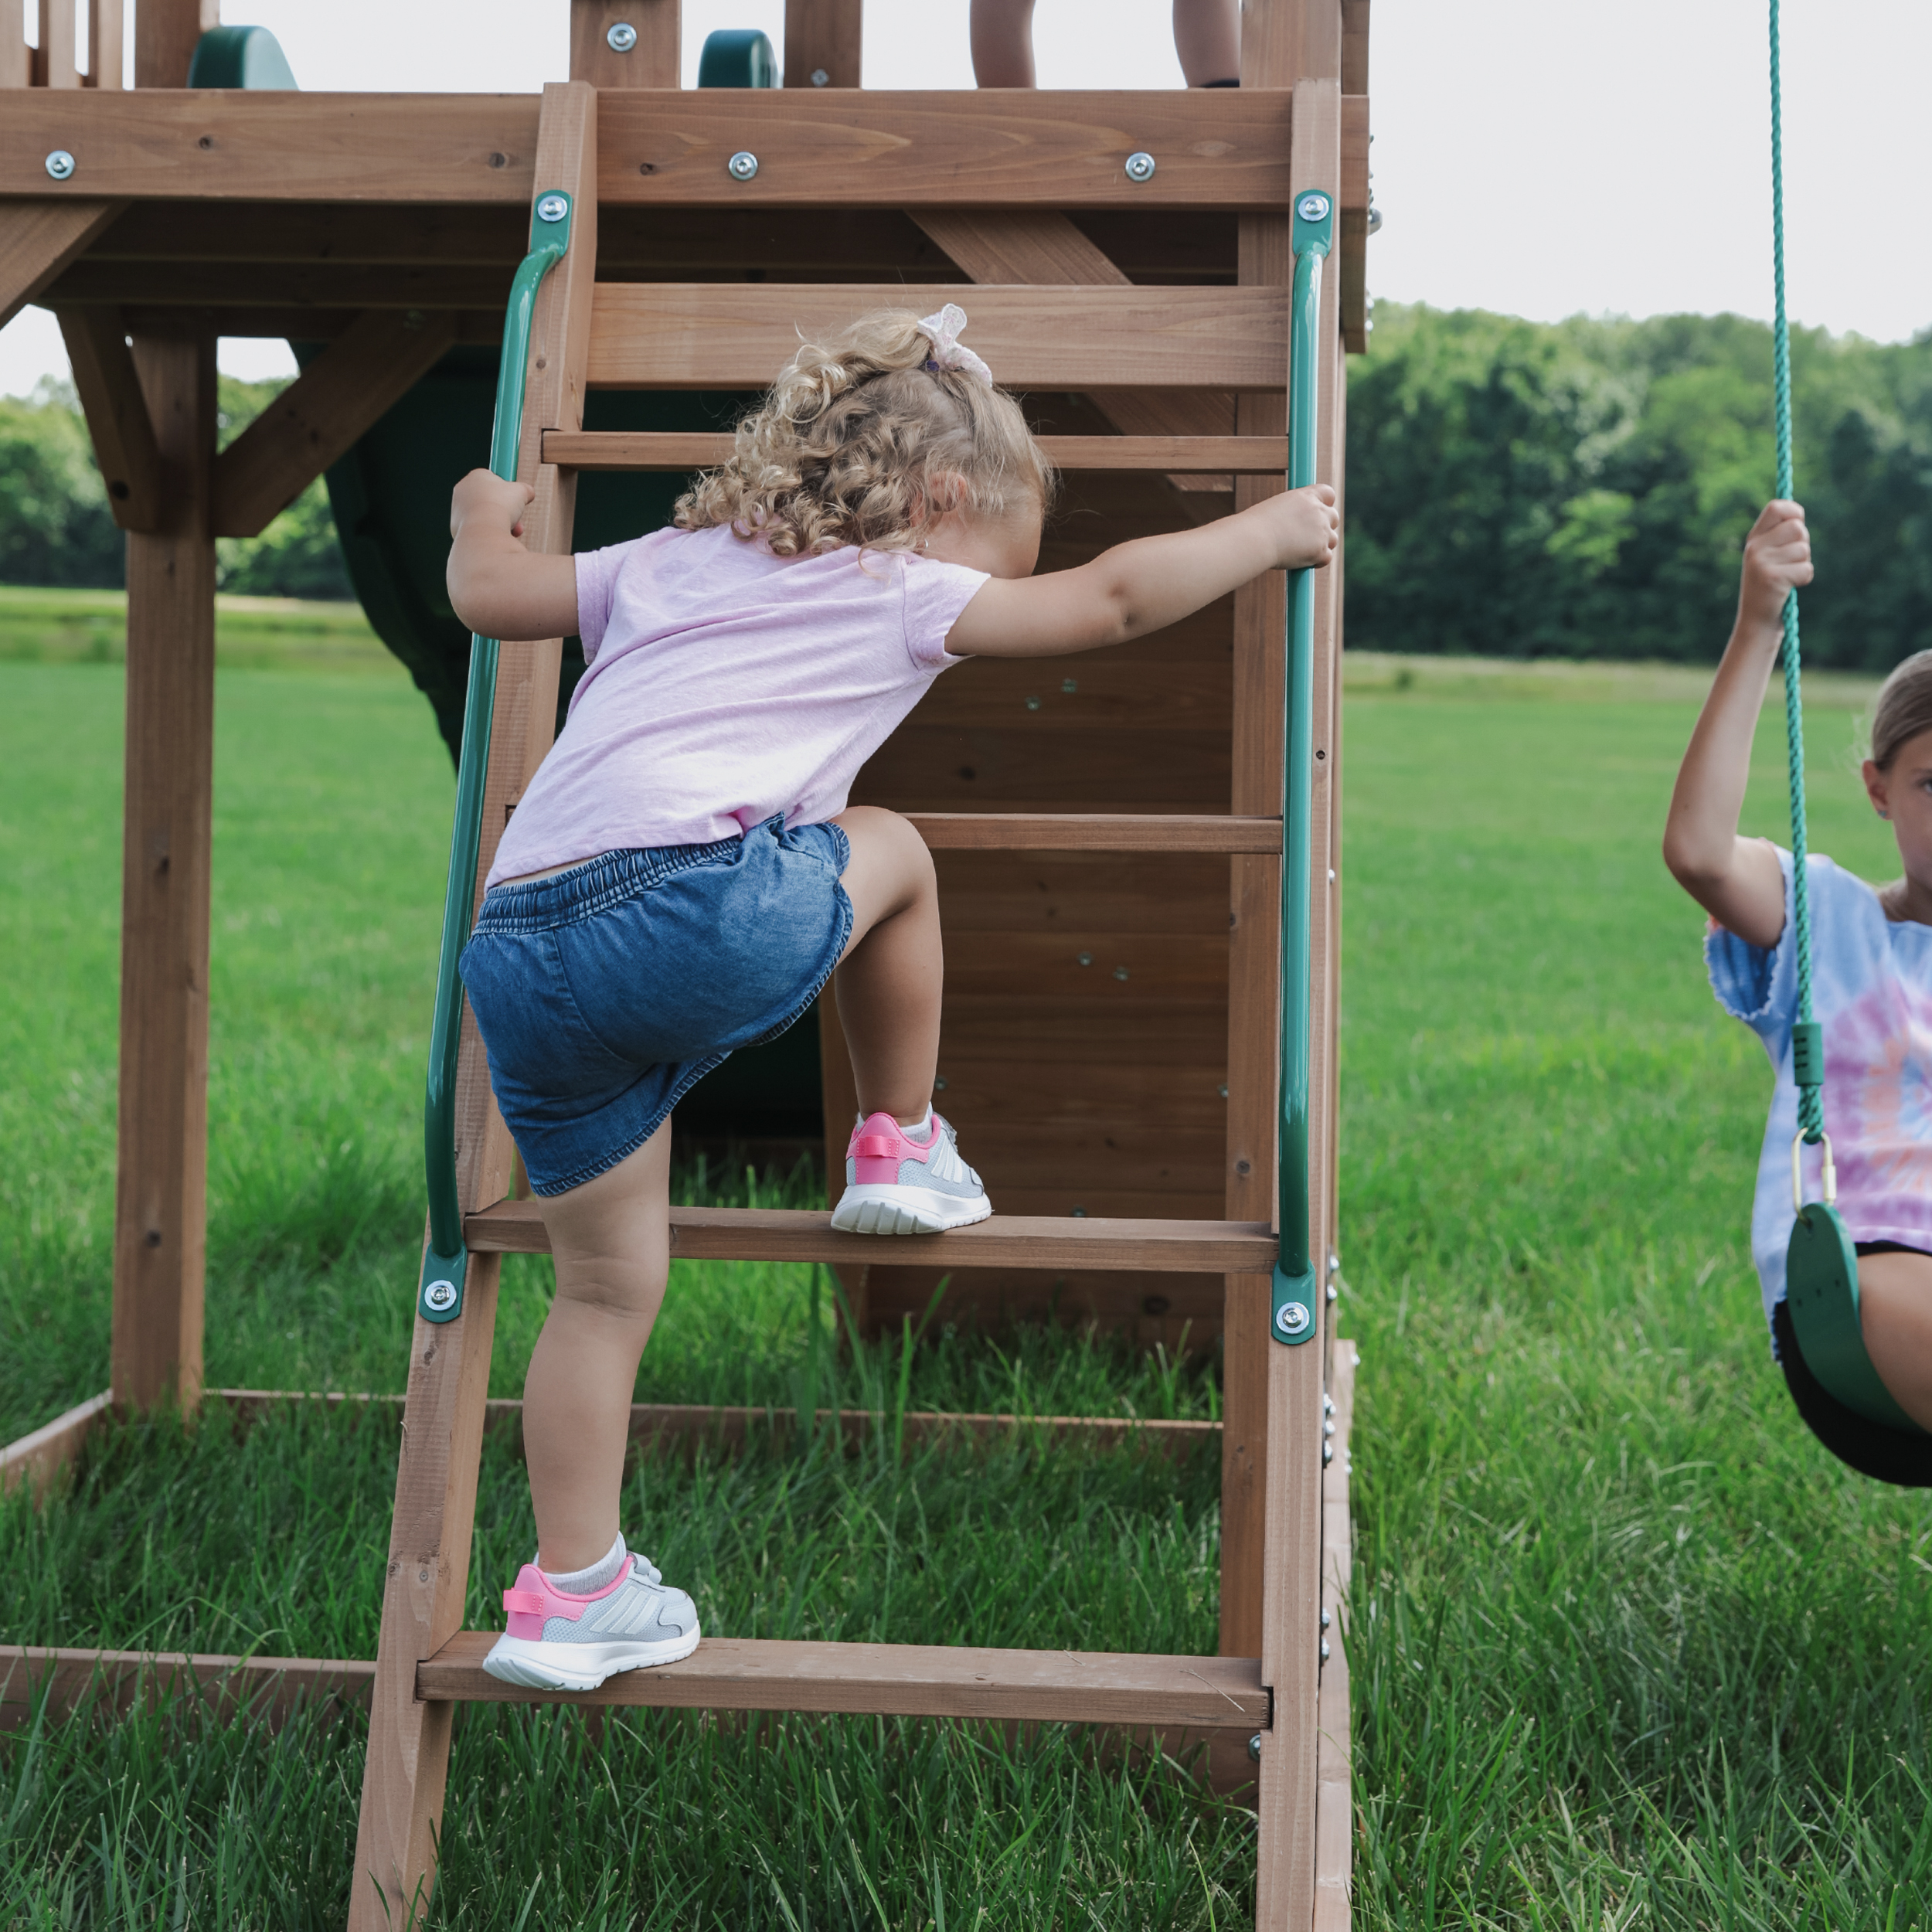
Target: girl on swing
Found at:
x=1872, y=982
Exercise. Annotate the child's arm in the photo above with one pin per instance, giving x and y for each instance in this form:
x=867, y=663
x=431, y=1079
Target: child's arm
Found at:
x=1141, y=587
x=497, y=587
x=1738, y=881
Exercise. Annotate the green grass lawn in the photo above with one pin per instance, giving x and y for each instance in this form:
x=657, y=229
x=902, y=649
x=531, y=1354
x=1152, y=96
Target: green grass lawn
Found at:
x=1628, y=1648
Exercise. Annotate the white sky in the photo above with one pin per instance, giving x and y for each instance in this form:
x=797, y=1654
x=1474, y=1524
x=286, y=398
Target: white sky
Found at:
x=1532, y=156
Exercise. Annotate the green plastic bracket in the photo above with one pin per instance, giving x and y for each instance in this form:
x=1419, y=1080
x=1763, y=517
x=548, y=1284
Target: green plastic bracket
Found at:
x=439, y=1295
x=1296, y=1293
x=1808, y=1053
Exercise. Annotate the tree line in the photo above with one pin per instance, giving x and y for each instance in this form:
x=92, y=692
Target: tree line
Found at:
x=1576, y=489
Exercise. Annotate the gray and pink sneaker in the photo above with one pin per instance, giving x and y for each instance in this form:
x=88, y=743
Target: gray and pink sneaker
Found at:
x=907, y=1180
x=559, y=1641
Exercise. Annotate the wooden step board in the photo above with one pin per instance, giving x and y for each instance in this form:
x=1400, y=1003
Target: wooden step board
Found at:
x=692, y=449
x=898, y=1680
x=1006, y=1241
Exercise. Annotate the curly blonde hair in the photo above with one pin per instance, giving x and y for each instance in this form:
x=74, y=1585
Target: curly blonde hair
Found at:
x=863, y=441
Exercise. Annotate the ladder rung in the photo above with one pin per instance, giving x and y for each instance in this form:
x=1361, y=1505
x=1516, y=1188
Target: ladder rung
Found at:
x=686, y=450
x=1006, y=1241
x=1096, y=831
x=900, y=1680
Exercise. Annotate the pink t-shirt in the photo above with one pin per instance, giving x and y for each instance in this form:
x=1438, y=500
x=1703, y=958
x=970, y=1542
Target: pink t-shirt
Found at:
x=726, y=685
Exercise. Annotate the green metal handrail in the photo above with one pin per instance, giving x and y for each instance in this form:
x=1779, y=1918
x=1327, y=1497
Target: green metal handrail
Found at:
x=440, y=1297
x=1296, y=1294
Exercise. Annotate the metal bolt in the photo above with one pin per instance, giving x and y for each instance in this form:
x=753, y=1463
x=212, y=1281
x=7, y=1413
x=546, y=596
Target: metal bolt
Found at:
x=554, y=207
x=422, y=1575
x=60, y=164
x=1331, y=874
x=820, y=78
x=1224, y=1090
x=1140, y=166
x=1254, y=1749
x=1120, y=972
x=1328, y=1454
x=1328, y=1405
x=1032, y=704
x=1328, y=1428
x=1079, y=1214
x=1324, y=1650
x=1291, y=1318
x=1313, y=207
x=1375, y=220
x=744, y=165
x=1086, y=959
x=621, y=38
x=939, y=1083
x=1326, y=1620
x=439, y=1295
x=1333, y=1291
x=1069, y=685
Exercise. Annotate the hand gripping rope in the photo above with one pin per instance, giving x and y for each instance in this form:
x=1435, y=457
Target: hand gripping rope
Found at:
x=440, y=1297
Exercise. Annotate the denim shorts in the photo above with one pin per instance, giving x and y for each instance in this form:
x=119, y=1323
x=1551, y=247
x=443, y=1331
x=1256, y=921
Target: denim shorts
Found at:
x=605, y=993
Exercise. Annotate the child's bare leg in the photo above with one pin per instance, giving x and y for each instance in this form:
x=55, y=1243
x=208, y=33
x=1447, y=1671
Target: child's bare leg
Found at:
x=889, y=981
x=1001, y=31
x=1895, y=1310
x=1207, y=36
x=611, y=1240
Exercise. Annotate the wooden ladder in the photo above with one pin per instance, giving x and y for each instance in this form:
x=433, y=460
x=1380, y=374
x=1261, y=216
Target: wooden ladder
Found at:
x=1155, y=352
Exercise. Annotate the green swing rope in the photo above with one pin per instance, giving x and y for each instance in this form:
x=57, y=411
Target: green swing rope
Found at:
x=1808, y=1055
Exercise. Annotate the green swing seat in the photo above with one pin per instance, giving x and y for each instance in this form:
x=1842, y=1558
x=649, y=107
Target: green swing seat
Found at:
x=1821, y=1284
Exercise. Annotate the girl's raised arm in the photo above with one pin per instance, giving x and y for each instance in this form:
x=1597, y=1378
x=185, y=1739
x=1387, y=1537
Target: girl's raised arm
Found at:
x=497, y=587
x=1738, y=881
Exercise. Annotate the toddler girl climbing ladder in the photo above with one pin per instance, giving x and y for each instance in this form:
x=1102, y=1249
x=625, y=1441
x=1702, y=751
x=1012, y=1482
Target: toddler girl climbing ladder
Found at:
x=1111, y=843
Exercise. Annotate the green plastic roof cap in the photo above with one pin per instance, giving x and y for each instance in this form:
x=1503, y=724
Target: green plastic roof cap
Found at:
x=239, y=57
x=737, y=57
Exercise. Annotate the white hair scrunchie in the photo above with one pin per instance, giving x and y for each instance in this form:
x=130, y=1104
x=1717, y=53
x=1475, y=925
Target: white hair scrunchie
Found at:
x=948, y=351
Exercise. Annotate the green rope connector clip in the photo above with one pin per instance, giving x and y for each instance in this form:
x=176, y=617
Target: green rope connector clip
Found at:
x=1808, y=1053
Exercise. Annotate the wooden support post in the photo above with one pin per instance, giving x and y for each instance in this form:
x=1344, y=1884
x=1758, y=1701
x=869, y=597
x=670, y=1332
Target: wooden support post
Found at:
x=823, y=37
x=38, y=238
x=107, y=44
x=429, y=1562
x=57, y=63
x=160, y=1194
x=320, y=414
x=1290, y=1632
x=109, y=387
x=651, y=61
x=166, y=32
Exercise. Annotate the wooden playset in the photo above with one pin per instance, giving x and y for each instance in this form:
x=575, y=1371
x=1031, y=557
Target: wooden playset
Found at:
x=1128, y=989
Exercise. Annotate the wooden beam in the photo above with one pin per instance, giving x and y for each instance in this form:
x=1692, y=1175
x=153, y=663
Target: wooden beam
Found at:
x=161, y=1206
x=266, y=1690
x=1354, y=47
x=1007, y=1241
x=1097, y=831
x=16, y=57
x=39, y=238
x=1352, y=218
x=38, y=1459
x=1055, y=149
x=1334, y=1755
x=420, y=286
x=56, y=60
x=316, y=420
x=651, y=59
x=824, y=42
x=677, y=450
x=738, y=336
x=123, y=433
x=107, y=44
x=910, y=1680
x=165, y=33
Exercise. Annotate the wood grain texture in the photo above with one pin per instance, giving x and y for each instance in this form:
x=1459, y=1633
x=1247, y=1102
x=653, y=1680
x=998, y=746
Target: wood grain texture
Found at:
x=118, y=424
x=823, y=37
x=38, y=1459
x=1355, y=47
x=1096, y=831
x=1018, y=1241
x=910, y=1680
x=726, y=336
x=318, y=418
x=103, y=1683
x=655, y=60
x=1352, y=218
x=57, y=63
x=106, y=43
x=675, y=449
x=1334, y=1756
x=166, y=282
x=39, y=237
x=166, y=31
x=161, y=1208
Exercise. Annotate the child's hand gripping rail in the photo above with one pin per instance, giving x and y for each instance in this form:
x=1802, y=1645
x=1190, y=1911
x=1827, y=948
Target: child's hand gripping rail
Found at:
x=1296, y=1293
x=440, y=1295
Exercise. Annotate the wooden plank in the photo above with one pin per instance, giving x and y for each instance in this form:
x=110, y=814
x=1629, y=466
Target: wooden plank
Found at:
x=121, y=283
x=57, y=60
x=1352, y=221
x=165, y=33
x=680, y=450
x=123, y=433
x=265, y=1690
x=39, y=237
x=1096, y=831
x=106, y=43
x=908, y=1680
x=161, y=1206
x=1354, y=47
x=320, y=414
x=1335, y=1796
x=823, y=43
x=39, y=1458
x=727, y=335
x=1018, y=1241
x=653, y=58
x=428, y=1570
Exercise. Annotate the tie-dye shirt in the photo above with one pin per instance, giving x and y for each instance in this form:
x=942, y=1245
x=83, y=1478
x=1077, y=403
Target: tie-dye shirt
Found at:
x=1872, y=988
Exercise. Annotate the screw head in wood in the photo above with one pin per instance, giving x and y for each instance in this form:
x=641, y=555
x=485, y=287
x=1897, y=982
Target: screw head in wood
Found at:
x=1086, y=959
x=939, y=1083
x=1120, y=972
x=60, y=164
x=1328, y=1454
x=1313, y=206
x=621, y=38
x=1291, y=1318
x=1324, y=1650
x=820, y=78
x=1254, y=1749
x=743, y=165
x=1069, y=685
x=552, y=208
x=1032, y=704
x=1326, y=1620
x=439, y=1295
x=1140, y=166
